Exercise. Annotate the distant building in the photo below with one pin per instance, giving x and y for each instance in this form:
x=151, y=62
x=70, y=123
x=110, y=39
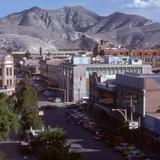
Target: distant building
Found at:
x=32, y=66
x=151, y=57
x=73, y=76
x=7, y=78
x=122, y=60
x=104, y=44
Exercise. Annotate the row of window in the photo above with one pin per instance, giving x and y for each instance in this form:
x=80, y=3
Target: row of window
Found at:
x=9, y=82
x=9, y=71
x=113, y=71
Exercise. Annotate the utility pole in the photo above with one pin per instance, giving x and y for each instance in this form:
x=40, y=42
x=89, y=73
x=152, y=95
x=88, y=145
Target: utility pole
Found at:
x=132, y=107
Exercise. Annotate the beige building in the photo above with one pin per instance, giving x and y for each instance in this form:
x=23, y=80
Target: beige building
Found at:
x=7, y=78
x=73, y=76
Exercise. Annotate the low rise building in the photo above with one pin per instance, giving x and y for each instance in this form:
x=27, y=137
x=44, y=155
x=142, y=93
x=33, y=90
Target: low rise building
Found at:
x=73, y=76
x=145, y=92
x=151, y=57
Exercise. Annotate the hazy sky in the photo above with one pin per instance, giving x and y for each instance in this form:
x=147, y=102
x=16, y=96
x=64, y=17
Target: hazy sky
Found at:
x=147, y=8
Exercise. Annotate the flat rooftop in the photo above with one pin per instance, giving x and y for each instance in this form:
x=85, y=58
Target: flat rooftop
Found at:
x=106, y=65
x=143, y=75
x=155, y=115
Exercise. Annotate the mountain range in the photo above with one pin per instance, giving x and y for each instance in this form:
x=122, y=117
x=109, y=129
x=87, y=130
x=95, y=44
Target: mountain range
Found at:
x=67, y=27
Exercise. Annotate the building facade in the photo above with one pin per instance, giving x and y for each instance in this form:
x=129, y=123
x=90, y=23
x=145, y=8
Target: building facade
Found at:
x=7, y=78
x=151, y=57
x=73, y=76
x=145, y=89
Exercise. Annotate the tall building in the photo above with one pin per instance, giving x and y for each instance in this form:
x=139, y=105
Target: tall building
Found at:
x=73, y=76
x=7, y=78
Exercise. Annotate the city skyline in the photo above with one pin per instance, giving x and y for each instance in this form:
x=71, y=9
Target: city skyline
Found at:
x=146, y=8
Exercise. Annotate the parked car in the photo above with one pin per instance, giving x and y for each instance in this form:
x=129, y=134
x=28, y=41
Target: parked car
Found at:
x=113, y=140
x=121, y=147
x=57, y=100
x=136, y=155
x=101, y=133
x=97, y=137
x=129, y=149
x=47, y=107
x=50, y=99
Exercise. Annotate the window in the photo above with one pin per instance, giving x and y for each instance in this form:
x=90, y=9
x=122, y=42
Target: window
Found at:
x=7, y=71
x=7, y=82
x=11, y=71
x=0, y=71
x=10, y=82
x=0, y=83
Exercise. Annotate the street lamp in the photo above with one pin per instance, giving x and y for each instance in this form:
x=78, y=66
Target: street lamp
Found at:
x=123, y=113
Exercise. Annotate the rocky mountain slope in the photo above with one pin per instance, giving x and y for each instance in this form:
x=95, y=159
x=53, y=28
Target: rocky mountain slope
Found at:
x=68, y=26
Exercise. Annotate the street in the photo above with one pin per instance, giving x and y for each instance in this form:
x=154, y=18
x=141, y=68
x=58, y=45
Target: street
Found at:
x=91, y=149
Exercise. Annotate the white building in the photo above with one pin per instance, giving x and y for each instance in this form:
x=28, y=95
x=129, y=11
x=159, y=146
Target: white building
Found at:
x=7, y=78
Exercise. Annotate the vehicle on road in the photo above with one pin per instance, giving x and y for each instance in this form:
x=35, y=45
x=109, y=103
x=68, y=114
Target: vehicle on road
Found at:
x=58, y=100
x=129, y=149
x=97, y=137
x=136, y=155
x=121, y=147
x=51, y=99
x=48, y=107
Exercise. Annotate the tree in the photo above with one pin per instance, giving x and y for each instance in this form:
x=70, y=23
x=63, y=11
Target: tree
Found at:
x=51, y=144
x=2, y=155
x=31, y=119
x=27, y=99
x=27, y=105
x=53, y=137
x=27, y=54
x=8, y=120
x=84, y=45
x=49, y=54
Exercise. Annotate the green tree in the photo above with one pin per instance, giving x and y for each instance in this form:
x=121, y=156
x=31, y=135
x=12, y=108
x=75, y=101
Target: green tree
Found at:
x=31, y=119
x=8, y=120
x=53, y=137
x=51, y=144
x=84, y=45
x=2, y=155
x=27, y=99
x=27, y=54
x=49, y=54
x=27, y=104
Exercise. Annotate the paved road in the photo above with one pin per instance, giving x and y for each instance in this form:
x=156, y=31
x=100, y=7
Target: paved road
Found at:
x=11, y=148
x=92, y=149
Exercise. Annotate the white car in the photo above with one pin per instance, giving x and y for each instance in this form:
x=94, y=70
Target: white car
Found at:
x=121, y=147
x=58, y=100
x=134, y=155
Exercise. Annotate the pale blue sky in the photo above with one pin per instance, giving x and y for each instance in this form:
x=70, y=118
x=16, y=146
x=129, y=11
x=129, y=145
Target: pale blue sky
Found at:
x=147, y=8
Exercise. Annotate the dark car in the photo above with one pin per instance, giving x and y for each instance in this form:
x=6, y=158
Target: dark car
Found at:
x=48, y=107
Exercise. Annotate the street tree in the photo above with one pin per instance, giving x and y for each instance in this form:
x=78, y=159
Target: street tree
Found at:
x=27, y=104
x=8, y=120
x=51, y=144
x=2, y=155
x=31, y=119
x=27, y=99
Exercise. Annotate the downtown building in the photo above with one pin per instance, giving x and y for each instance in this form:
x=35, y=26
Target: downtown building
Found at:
x=113, y=94
x=72, y=76
x=7, y=78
